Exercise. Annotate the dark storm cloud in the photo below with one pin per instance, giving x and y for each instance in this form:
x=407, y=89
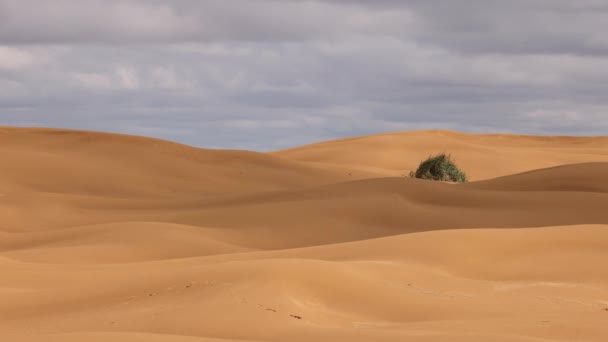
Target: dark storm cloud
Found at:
x=267, y=74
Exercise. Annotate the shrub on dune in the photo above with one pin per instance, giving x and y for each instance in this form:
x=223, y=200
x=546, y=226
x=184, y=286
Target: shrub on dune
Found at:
x=440, y=167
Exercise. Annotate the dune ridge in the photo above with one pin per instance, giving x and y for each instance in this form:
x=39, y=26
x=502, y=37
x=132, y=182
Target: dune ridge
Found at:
x=484, y=156
x=114, y=237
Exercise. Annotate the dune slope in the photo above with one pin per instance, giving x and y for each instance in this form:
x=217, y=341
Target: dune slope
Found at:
x=108, y=237
x=483, y=156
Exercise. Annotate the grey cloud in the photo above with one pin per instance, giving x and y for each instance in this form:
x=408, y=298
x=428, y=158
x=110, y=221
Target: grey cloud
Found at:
x=469, y=26
x=136, y=21
x=267, y=74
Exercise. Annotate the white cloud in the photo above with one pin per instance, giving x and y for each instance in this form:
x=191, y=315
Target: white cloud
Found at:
x=127, y=78
x=14, y=58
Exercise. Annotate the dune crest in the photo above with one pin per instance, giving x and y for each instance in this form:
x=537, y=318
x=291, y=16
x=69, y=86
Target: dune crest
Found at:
x=122, y=238
x=483, y=156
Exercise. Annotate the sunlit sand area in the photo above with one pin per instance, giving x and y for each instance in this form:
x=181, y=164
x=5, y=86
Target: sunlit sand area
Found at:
x=108, y=237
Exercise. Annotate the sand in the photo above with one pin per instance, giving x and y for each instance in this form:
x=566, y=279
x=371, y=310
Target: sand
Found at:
x=108, y=237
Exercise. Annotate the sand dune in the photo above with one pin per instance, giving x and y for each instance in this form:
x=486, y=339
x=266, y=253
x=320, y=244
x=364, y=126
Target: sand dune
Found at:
x=482, y=156
x=109, y=237
x=587, y=177
x=99, y=164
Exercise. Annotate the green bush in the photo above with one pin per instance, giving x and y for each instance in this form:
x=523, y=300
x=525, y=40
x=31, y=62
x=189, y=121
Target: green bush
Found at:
x=440, y=167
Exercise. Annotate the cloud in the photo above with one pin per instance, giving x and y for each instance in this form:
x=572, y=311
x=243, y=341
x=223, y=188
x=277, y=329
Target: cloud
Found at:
x=14, y=59
x=82, y=21
x=114, y=21
x=92, y=80
x=265, y=74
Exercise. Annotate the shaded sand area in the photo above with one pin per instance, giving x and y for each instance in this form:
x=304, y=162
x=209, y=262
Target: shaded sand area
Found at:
x=109, y=237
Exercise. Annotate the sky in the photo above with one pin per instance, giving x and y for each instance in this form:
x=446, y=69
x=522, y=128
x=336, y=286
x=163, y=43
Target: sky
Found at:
x=271, y=74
